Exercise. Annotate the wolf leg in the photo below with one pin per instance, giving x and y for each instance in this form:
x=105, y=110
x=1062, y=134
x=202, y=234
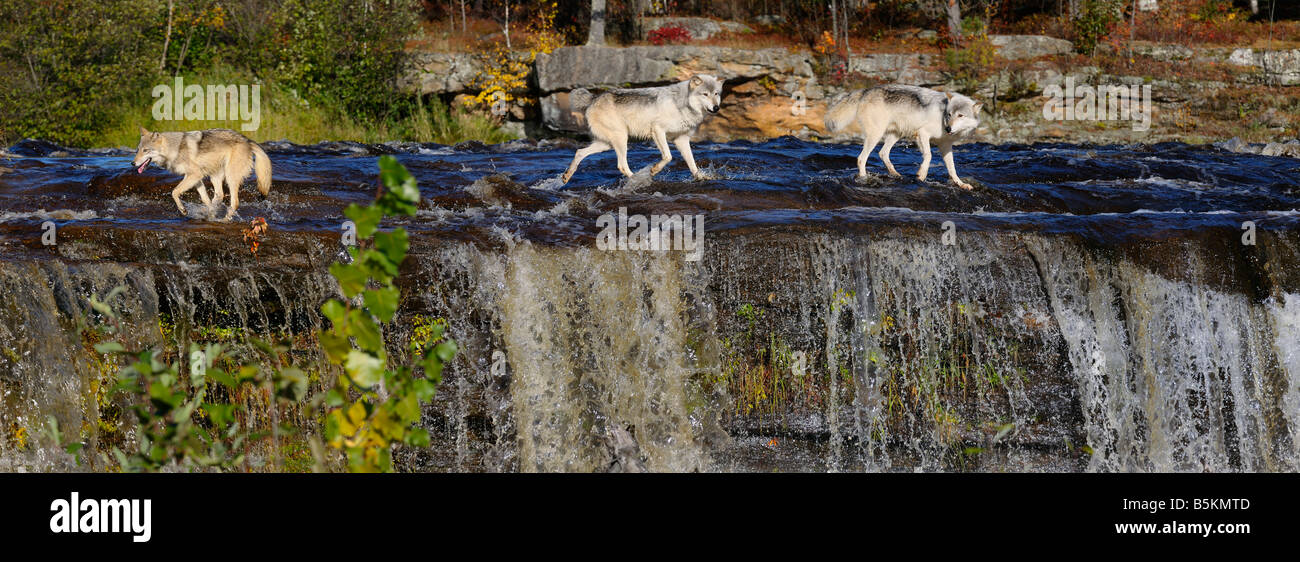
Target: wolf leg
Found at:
x=684, y=147
x=946, y=150
x=593, y=148
x=218, y=180
x=234, y=202
x=620, y=149
x=235, y=176
x=187, y=183
x=923, y=143
x=661, y=141
x=869, y=140
x=203, y=193
x=890, y=139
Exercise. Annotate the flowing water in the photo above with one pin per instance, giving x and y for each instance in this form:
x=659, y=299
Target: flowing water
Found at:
x=1085, y=308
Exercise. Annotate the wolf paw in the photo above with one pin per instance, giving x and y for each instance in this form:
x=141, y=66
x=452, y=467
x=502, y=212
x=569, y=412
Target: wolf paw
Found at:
x=965, y=185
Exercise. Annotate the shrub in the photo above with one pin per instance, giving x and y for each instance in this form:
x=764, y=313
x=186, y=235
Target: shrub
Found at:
x=504, y=78
x=967, y=67
x=387, y=404
x=64, y=62
x=346, y=51
x=669, y=35
x=1093, y=23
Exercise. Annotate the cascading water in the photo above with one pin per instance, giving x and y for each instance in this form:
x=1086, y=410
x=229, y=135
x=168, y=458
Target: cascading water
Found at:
x=1111, y=320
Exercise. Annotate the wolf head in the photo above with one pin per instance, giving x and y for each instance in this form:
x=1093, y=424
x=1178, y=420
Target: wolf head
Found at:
x=152, y=149
x=961, y=115
x=704, y=93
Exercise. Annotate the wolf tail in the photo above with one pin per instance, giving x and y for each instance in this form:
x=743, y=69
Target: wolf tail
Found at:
x=262, y=166
x=842, y=110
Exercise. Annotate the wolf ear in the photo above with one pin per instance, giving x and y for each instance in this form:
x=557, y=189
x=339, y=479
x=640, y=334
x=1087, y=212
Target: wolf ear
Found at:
x=696, y=81
x=978, y=107
x=144, y=131
x=949, y=94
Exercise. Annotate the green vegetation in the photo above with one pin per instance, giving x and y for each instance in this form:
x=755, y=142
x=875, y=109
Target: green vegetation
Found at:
x=285, y=115
x=1093, y=23
x=378, y=416
x=765, y=375
x=82, y=73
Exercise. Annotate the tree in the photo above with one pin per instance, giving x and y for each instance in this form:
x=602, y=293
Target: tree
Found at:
x=954, y=20
x=596, y=35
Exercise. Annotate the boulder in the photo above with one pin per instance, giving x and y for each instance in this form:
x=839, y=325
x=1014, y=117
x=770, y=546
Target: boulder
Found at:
x=557, y=114
x=1290, y=148
x=1014, y=47
x=612, y=67
x=441, y=73
x=1280, y=67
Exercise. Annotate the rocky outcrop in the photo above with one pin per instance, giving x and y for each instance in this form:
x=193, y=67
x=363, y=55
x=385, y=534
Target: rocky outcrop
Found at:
x=784, y=72
x=699, y=28
x=912, y=69
x=1289, y=148
x=1013, y=47
x=1276, y=67
x=613, y=67
x=763, y=88
x=442, y=73
x=752, y=111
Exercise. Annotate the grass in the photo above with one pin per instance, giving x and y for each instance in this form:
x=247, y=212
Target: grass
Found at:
x=286, y=116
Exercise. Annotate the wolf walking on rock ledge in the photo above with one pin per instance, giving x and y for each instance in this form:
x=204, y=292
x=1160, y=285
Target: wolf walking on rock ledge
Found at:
x=674, y=111
x=896, y=111
x=223, y=155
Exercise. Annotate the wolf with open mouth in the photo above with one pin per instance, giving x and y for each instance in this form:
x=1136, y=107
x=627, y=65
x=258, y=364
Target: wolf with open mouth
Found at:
x=223, y=155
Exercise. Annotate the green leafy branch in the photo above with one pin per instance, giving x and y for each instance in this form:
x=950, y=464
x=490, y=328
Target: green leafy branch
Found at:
x=373, y=405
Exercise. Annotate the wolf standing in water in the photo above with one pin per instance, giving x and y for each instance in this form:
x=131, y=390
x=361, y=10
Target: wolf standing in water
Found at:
x=221, y=154
x=659, y=113
x=896, y=111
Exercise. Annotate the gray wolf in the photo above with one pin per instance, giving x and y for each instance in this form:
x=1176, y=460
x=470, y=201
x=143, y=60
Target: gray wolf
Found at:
x=659, y=113
x=223, y=155
x=896, y=111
